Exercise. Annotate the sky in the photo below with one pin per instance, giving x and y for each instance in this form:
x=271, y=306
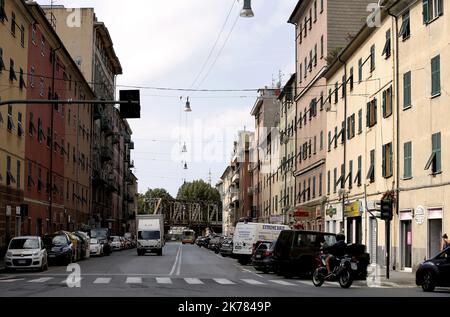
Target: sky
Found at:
x=165, y=44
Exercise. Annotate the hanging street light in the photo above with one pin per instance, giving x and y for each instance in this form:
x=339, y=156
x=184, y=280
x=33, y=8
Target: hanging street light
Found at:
x=185, y=166
x=247, y=11
x=188, y=106
x=184, y=150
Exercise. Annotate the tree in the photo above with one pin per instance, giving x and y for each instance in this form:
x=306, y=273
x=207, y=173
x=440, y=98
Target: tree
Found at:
x=152, y=194
x=198, y=191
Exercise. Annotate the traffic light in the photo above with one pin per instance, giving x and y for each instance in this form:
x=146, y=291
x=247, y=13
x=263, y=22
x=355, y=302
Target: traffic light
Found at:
x=386, y=210
x=131, y=110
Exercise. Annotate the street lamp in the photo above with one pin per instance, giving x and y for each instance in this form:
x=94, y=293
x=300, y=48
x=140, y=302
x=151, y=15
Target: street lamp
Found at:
x=247, y=11
x=188, y=106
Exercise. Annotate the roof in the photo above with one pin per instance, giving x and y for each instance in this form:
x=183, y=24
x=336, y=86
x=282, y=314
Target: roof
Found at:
x=293, y=18
x=109, y=46
x=288, y=85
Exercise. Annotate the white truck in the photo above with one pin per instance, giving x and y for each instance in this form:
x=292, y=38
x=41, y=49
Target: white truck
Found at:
x=246, y=236
x=150, y=234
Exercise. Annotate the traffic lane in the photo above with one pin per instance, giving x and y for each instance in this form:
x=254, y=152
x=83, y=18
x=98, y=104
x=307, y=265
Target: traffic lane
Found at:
x=124, y=262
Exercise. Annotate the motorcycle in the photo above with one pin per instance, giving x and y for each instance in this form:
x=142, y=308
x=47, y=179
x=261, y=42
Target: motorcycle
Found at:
x=343, y=271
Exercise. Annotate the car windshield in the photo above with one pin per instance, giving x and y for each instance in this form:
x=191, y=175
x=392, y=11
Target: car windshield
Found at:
x=116, y=239
x=148, y=235
x=24, y=244
x=94, y=241
x=58, y=240
x=99, y=233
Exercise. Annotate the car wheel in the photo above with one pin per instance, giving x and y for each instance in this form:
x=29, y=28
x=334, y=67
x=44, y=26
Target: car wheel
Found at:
x=429, y=283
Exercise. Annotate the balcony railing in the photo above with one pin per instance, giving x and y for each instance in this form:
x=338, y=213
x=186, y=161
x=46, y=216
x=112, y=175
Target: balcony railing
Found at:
x=106, y=126
x=106, y=153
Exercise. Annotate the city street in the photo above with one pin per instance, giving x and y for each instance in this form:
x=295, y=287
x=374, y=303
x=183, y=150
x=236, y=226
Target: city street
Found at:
x=183, y=270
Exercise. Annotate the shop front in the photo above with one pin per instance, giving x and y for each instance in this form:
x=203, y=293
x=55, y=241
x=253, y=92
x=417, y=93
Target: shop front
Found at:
x=353, y=215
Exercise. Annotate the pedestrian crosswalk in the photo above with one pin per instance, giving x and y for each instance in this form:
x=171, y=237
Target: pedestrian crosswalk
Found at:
x=164, y=281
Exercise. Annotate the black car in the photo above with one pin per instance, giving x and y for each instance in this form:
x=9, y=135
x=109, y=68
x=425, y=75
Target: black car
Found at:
x=262, y=259
x=203, y=242
x=295, y=251
x=226, y=249
x=434, y=272
x=59, y=248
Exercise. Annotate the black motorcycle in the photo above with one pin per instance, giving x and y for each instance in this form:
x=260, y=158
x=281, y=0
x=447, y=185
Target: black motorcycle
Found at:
x=342, y=271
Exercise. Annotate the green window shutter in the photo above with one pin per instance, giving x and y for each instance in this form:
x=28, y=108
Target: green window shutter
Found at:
x=375, y=111
x=407, y=90
x=391, y=159
x=384, y=161
x=384, y=103
x=368, y=115
x=360, y=121
x=408, y=160
x=441, y=7
x=435, y=75
x=426, y=11
x=436, y=141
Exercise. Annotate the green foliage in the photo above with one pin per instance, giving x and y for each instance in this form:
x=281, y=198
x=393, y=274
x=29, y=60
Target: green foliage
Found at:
x=198, y=191
x=152, y=194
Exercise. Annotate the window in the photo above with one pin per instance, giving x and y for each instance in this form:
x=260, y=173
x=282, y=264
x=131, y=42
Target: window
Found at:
x=314, y=188
x=31, y=128
x=335, y=137
x=360, y=70
x=350, y=175
x=49, y=137
x=315, y=145
x=13, y=24
x=315, y=55
x=41, y=87
x=387, y=45
x=309, y=147
x=329, y=183
x=360, y=121
x=407, y=154
x=321, y=6
x=371, y=174
x=387, y=160
x=18, y=174
x=12, y=72
x=335, y=181
x=372, y=58
x=20, y=130
x=39, y=184
x=320, y=184
x=387, y=102
x=11, y=126
x=344, y=86
x=315, y=11
x=329, y=141
x=9, y=176
x=336, y=92
x=21, y=80
x=2, y=63
x=435, y=160
x=309, y=189
x=32, y=72
x=351, y=127
x=306, y=28
x=300, y=71
x=30, y=181
x=306, y=66
x=321, y=140
x=310, y=18
x=436, y=76
x=359, y=175
x=2, y=11
x=372, y=113
x=310, y=65
x=432, y=9
x=43, y=46
x=351, y=79
x=40, y=131
x=321, y=101
x=33, y=33
x=321, y=47
x=22, y=36
x=405, y=29
x=407, y=90
x=300, y=33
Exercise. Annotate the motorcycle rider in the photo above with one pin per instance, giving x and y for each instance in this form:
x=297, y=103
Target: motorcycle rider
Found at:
x=336, y=250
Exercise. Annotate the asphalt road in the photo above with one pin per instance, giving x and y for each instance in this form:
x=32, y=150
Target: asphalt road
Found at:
x=182, y=271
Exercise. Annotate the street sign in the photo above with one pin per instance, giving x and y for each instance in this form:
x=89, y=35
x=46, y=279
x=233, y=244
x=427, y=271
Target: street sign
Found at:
x=131, y=110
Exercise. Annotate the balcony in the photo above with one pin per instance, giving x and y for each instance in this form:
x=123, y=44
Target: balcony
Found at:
x=98, y=112
x=106, y=126
x=236, y=178
x=106, y=153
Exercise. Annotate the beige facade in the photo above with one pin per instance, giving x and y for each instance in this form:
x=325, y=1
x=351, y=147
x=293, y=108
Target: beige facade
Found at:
x=229, y=196
x=403, y=149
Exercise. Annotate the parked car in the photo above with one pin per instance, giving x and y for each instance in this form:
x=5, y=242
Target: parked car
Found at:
x=215, y=242
x=434, y=272
x=262, y=259
x=226, y=249
x=26, y=253
x=95, y=247
x=60, y=248
x=85, y=244
x=295, y=251
x=116, y=243
x=103, y=235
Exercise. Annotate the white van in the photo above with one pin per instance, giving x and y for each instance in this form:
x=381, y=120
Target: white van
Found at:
x=246, y=235
x=150, y=234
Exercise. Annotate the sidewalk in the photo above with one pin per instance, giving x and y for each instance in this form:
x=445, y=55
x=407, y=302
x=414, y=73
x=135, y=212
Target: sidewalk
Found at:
x=377, y=276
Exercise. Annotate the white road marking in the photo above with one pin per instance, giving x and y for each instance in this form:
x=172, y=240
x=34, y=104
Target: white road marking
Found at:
x=102, y=280
x=176, y=260
x=223, y=281
x=193, y=281
x=72, y=281
x=134, y=280
x=245, y=270
x=281, y=282
x=253, y=282
x=179, y=260
x=41, y=280
x=163, y=280
x=11, y=280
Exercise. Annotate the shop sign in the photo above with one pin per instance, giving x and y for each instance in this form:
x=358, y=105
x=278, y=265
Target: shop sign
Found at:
x=419, y=215
x=353, y=210
x=331, y=212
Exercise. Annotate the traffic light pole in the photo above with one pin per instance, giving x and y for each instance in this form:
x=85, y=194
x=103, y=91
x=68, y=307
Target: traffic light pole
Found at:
x=388, y=246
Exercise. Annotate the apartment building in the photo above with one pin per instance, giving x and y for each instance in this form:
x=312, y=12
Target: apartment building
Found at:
x=322, y=28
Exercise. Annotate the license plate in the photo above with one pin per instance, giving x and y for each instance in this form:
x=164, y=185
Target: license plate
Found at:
x=22, y=261
x=238, y=247
x=258, y=257
x=354, y=266
x=52, y=255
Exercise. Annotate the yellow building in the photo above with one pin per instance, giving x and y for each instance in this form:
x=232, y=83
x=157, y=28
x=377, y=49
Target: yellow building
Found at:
x=14, y=21
x=387, y=132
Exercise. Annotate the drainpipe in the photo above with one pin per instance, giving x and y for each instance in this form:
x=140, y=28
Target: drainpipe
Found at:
x=397, y=74
x=345, y=140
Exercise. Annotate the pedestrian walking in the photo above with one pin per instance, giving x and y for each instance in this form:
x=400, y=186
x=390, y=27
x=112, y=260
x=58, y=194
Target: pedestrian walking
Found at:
x=445, y=242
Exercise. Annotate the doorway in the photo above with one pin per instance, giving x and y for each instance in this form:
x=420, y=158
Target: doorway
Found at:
x=406, y=240
x=434, y=236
